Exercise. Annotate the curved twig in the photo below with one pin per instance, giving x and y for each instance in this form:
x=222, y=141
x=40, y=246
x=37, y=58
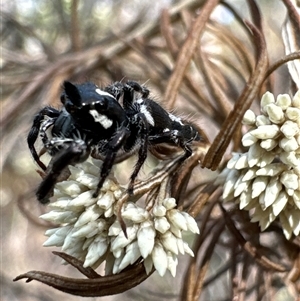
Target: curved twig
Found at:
x=95, y=287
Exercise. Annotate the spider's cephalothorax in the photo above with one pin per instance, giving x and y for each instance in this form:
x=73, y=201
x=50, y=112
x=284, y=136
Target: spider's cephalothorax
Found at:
x=93, y=120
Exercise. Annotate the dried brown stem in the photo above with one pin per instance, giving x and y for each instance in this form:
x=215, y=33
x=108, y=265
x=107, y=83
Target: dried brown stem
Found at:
x=290, y=57
x=75, y=28
x=186, y=52
x=222, y=104
x=201, y=200
x=78, y=264
x=221, y=142
x=218, y=229
x=252, y=250
x=96, y=287
x=294, y=17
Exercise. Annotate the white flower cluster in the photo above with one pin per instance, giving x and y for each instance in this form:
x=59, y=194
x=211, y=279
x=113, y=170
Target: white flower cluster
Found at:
x=266, y=179
x=88, y=228
x=155, y=236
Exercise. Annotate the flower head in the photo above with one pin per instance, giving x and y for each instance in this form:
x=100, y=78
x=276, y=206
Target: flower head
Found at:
x=266, y=179
x=88, y=228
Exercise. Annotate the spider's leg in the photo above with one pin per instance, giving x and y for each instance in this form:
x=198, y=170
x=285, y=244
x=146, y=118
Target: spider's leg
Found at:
x=128, y=96
x=34, y=132
x=116, y=142
x=73, y=151
x=129, y=90
x=116, y=89
x=138, y=88
x=173, y=137
x=43, y=129
x=143, y=132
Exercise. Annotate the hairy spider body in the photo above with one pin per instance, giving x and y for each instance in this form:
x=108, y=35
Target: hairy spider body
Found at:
x=93, y=120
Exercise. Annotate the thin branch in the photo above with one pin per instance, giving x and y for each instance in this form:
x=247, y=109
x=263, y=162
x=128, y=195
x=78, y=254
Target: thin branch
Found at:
x=252, y=250
x=187, y=51
x=75, y=28
x=221, y=142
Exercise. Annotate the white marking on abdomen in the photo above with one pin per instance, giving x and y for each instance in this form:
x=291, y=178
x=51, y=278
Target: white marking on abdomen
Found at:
x=175, y=118
x=147, y=114
x=102, y=119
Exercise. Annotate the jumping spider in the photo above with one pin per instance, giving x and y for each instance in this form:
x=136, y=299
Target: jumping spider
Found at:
x=92, y=121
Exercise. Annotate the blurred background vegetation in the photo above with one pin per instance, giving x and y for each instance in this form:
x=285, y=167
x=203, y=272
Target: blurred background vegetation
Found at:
x=47, y=42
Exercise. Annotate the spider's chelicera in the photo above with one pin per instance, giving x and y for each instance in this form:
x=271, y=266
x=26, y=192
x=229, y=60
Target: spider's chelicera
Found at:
x=94, y=121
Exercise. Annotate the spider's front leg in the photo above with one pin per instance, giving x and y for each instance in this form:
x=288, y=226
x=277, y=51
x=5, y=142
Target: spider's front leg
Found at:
x=35, y=129
x=132, y=85
x=72, y=152
x=139, y=126
x=116, y=89
x=112, y=148
x=142, y=131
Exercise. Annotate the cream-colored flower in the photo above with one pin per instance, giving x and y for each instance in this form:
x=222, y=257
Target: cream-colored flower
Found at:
x=88, y=228
x=266, y=179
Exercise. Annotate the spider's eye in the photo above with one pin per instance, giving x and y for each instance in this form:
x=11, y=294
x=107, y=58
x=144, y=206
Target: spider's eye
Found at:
x=100, y=106
x=70, y=107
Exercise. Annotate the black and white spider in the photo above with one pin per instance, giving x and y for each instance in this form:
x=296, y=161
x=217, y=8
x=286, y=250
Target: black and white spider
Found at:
x=94, y=121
